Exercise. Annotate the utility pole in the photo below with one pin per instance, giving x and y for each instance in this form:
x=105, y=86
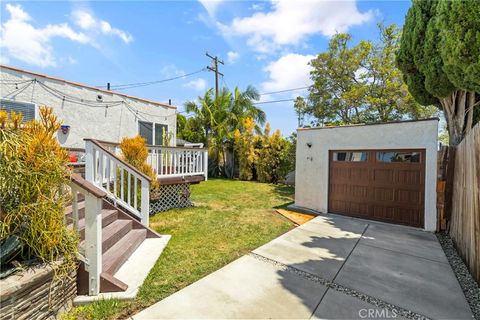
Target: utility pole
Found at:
x=214, y=68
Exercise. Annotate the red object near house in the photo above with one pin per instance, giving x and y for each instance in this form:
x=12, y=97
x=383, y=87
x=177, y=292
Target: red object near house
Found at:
x=72, y=157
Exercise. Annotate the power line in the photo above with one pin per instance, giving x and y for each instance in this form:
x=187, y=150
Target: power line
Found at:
x=143, y=84
x=274, y=101
x=286, y=90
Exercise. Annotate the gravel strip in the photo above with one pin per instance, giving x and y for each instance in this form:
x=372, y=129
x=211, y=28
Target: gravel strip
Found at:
x=345, y=290
x=469, y=286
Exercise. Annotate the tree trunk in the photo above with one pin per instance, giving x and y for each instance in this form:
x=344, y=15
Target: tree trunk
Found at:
x=458, y=109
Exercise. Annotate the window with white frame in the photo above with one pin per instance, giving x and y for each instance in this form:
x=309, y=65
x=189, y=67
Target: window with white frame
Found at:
x=26, y=109
x=153, y=133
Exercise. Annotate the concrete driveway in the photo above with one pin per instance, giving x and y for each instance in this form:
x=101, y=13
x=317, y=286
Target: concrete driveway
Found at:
x=331, y=267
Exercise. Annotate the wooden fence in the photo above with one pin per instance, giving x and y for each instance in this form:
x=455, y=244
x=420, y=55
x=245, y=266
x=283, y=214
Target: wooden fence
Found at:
x=465, y=218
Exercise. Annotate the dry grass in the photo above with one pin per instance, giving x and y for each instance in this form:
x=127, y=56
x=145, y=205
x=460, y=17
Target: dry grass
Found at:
x=230, y=219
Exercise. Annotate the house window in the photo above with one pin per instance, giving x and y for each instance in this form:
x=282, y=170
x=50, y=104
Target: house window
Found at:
x=26, y=109
x=398, y=156
x=350, y=156
x=153, y=133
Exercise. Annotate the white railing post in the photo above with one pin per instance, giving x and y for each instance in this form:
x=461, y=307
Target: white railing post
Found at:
x=89, y=161
x=145, y=202
x=93, y=242
x=205, y=164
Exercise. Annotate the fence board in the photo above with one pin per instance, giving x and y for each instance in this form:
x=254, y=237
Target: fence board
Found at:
x=465, y=219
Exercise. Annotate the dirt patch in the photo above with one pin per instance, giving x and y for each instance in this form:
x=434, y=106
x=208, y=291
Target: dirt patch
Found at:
x=296, y=217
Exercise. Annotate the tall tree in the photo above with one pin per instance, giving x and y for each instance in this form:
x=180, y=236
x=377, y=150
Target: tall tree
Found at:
x=300, y=106
x=361, y=83
x=242, y=106
x=439, y=57
x=337, y=82
x=219, y=117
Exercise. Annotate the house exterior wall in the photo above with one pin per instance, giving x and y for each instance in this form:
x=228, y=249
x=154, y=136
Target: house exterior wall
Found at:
x=115, y=118
x=312, y=164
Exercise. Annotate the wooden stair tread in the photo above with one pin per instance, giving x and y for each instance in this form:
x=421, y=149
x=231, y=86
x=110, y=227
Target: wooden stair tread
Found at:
x=116, y=256
x=113, y=233
x=108, y=216
x=80, y=206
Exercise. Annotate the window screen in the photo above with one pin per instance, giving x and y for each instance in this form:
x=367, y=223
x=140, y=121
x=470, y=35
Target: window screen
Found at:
x=146, y=131
x=26, y=109
x=160, y=131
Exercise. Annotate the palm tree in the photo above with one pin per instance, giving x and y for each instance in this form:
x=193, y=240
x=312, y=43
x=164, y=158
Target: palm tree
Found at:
x=220, y=116
x=203, y=112
x=241, y=107
x=212, y=113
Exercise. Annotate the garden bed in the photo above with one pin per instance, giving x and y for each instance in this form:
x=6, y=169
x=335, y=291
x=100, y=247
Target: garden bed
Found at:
x=34, y=294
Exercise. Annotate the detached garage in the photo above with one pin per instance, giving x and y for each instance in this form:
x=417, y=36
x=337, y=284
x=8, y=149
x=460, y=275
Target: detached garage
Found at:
x=384, y=172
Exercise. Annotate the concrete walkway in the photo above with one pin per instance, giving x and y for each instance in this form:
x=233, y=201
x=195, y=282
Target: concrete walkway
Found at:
x=331, y=267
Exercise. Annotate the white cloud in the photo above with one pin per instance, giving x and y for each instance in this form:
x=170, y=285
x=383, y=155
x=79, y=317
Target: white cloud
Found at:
x=232, y=56
x=199, y=84
x=290, y=22
x=19, y=39
x=289, y=71
x=211, y=6
x=89, y=22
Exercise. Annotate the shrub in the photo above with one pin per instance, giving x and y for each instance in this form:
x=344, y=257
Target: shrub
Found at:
x=268, y=158
x=273, y=157
x=33, y=171
x=245, y=147
x=135, y=153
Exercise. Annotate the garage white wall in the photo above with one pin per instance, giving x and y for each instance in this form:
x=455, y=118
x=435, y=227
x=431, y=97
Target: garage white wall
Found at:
x=311, y=190
x=96, y=121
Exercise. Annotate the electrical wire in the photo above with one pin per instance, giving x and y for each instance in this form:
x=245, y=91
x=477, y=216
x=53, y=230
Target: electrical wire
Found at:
x=65, y=95
x=17, y=90
x=286, y=90
x=274, y=101
x=143, y=84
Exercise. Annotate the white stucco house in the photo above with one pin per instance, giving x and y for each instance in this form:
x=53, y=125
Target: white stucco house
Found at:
x=86, y=111
x=384, y=172
x=112, y=217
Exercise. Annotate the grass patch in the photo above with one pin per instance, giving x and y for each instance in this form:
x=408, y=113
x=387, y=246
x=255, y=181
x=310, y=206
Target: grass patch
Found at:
x=230, y=219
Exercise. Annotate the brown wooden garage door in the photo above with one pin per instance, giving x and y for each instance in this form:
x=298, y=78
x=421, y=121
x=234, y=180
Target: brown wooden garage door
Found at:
x=385, y=185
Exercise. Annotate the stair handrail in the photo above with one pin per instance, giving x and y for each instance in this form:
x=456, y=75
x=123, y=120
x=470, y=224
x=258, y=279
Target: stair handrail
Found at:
x=101, y=169
x=91, y=253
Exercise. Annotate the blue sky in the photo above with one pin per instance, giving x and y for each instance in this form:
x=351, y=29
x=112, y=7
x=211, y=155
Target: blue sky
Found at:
x=264, y=44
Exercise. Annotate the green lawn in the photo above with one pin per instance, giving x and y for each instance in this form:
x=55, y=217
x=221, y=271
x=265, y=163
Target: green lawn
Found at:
x=230, y=218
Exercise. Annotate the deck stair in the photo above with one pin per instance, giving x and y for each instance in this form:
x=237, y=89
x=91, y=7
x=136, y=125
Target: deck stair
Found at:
x=121, y=235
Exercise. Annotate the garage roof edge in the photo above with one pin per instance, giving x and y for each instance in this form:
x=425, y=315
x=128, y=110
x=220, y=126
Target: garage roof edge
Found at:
x=368, y=124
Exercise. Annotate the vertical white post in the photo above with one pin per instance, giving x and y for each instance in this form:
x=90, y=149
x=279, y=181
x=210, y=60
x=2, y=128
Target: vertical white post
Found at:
x=145, y=202
x=93, y=242
x=135, y=192
x=205, y=164
x=75, y=210
x=160, y=169
x=122, y=188
x=89, y=161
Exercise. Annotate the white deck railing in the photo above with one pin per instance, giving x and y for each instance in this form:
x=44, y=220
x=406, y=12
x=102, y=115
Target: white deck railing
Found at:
x=178, y=161
x=124, y=184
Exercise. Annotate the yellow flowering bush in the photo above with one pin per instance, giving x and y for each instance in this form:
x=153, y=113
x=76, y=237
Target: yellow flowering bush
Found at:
x=135, y=152
x=33, y=171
